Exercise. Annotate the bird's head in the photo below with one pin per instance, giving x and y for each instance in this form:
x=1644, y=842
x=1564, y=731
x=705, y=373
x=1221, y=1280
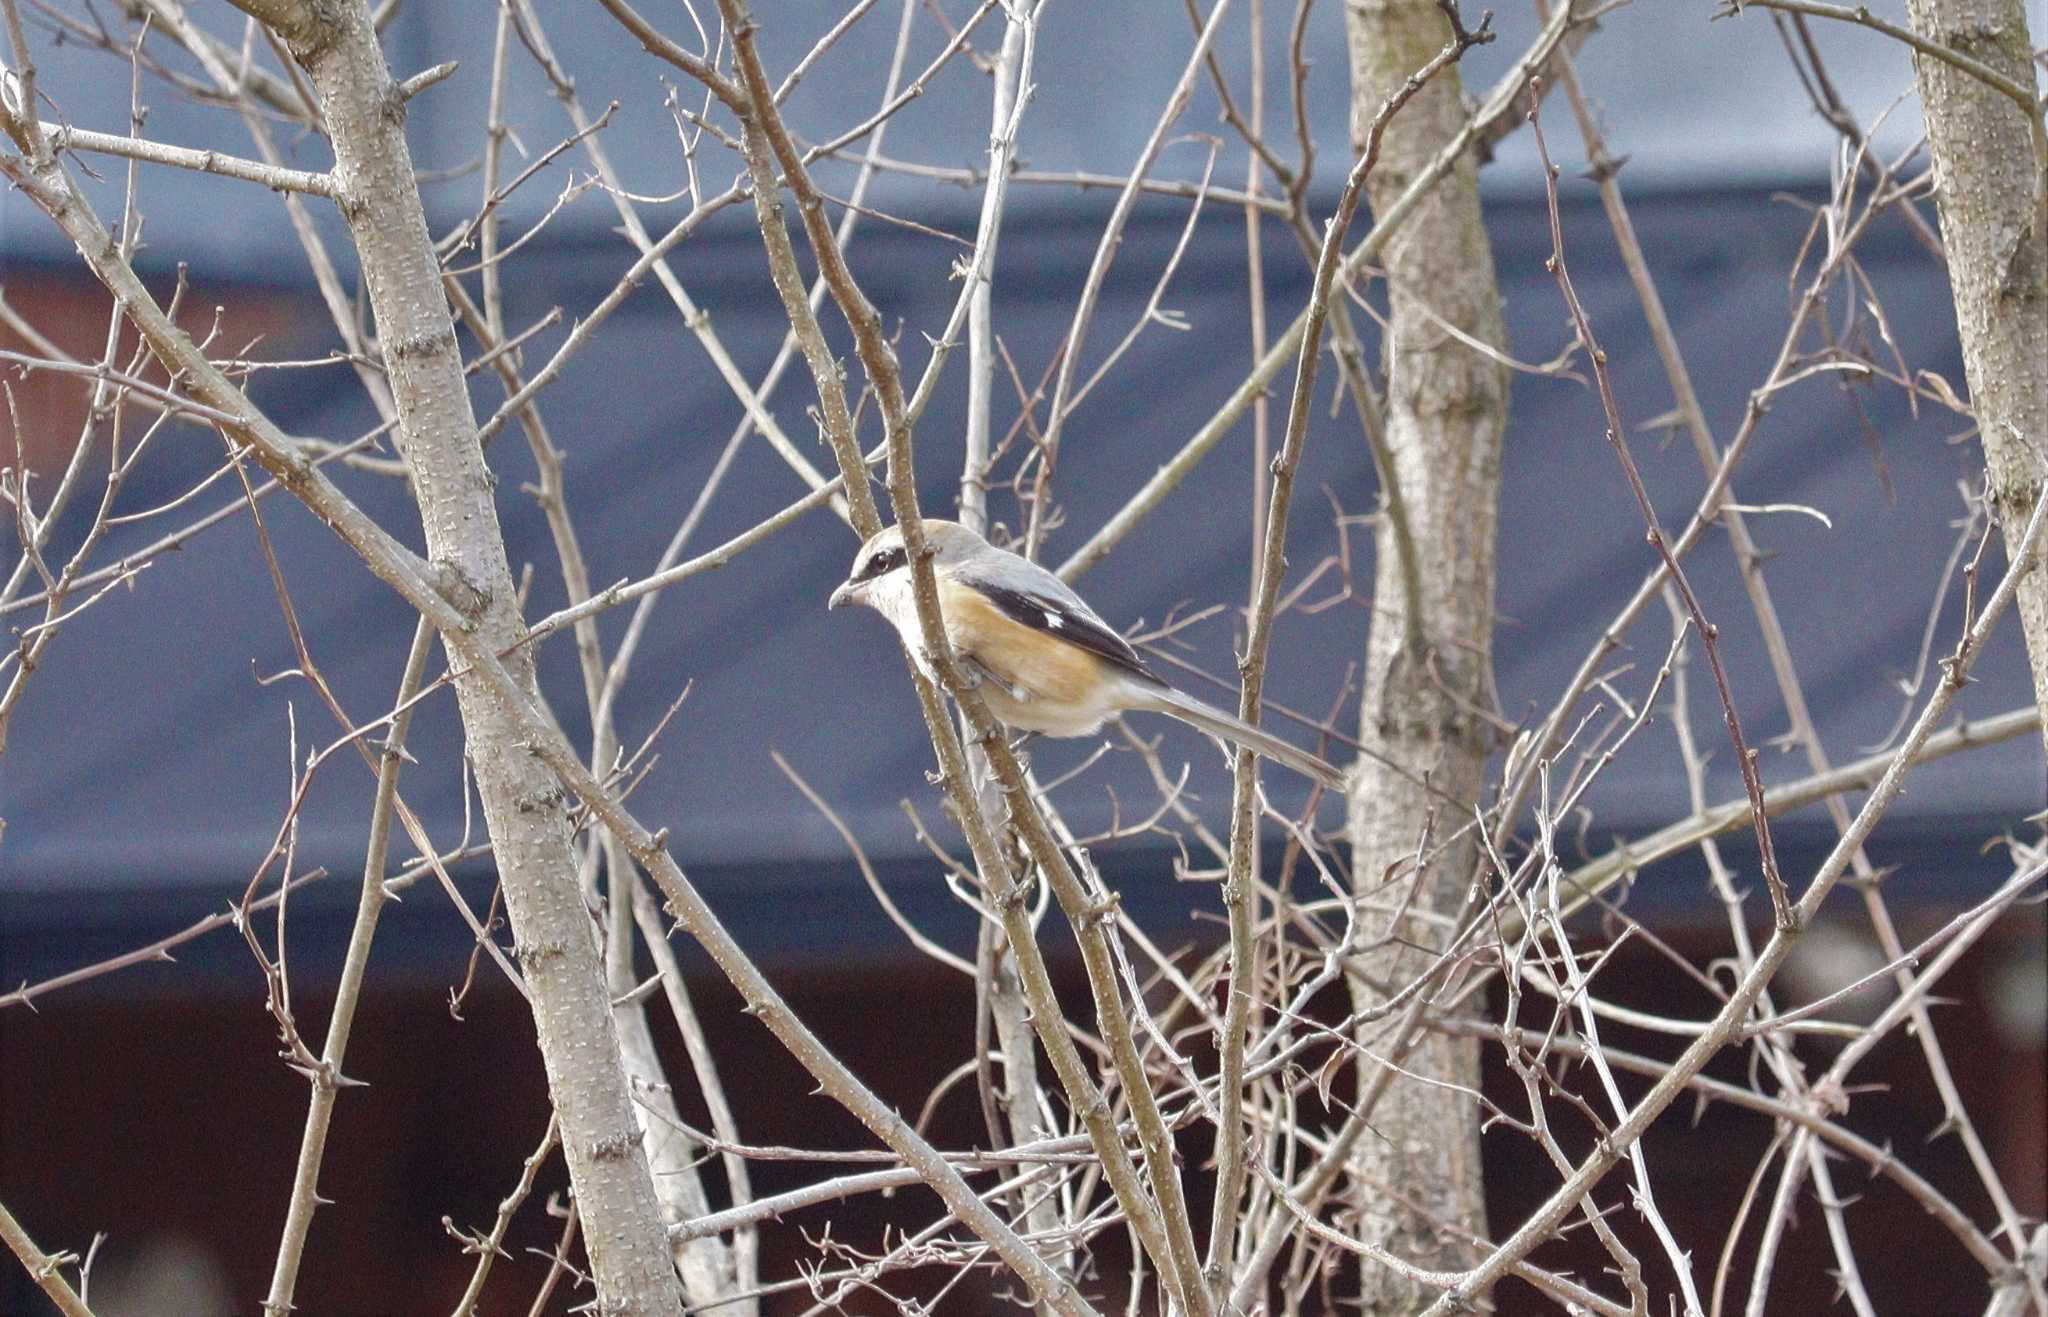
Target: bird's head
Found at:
x=881, y=568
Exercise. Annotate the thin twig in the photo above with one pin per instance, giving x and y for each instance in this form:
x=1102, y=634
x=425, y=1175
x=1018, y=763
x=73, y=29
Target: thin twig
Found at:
x=1237, y=896
x=1727, y=1022
x=43, y=1267
x=275, y=177
x=327, y=1076
x=1745, y=757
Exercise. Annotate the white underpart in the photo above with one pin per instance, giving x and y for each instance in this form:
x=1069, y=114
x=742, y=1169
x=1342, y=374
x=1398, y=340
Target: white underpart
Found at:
x=891, y=596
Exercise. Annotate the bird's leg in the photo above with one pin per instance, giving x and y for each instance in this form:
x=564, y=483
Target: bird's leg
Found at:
x=974, y=672
x=1017, y=751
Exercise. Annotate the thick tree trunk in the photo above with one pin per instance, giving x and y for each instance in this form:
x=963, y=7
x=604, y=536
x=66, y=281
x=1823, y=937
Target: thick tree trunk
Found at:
x=524, y=806
x=1985, y=171
x=1419, y=1171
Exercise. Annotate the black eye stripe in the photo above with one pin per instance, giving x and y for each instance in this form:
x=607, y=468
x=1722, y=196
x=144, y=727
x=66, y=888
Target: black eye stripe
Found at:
x=888, y=560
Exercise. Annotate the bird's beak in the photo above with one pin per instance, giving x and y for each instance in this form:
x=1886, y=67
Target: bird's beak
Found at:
x=847, y=593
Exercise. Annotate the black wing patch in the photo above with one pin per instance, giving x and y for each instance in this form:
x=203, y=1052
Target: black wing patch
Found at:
x=1079, y=628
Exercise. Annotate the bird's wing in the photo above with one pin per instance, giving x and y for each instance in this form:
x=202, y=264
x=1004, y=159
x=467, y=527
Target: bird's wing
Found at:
x=1071, y=620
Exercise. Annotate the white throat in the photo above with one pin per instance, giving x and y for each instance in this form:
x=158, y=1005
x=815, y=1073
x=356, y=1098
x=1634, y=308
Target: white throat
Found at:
x=894, y=597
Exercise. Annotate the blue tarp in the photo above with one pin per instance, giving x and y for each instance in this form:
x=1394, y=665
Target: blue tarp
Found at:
x=148, y=768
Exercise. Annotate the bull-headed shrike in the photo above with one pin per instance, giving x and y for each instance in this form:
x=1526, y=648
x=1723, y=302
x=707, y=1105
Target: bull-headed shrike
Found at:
x=1044, y=661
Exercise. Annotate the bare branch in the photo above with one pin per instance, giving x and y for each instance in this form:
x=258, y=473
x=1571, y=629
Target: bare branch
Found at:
x=42, y=1267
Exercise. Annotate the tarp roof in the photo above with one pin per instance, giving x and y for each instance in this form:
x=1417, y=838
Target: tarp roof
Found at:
x=148, y=756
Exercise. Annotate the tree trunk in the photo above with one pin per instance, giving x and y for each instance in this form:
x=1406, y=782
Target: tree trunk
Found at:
x=1985, y=171
x=1418, y=1168
x=524, y=806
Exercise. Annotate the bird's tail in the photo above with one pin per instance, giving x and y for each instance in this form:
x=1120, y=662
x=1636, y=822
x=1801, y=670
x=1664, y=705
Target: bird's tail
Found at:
x=1166, y=700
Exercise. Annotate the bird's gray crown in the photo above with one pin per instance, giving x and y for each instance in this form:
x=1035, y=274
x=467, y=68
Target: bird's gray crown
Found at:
x=883, y=553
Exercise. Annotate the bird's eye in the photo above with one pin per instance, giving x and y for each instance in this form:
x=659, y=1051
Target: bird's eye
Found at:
x=884, y=562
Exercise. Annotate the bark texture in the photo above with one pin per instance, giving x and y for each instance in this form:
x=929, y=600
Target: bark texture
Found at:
x=707, y=1266
x=1426, y=742
x=1984, y=172
x=524, y=806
